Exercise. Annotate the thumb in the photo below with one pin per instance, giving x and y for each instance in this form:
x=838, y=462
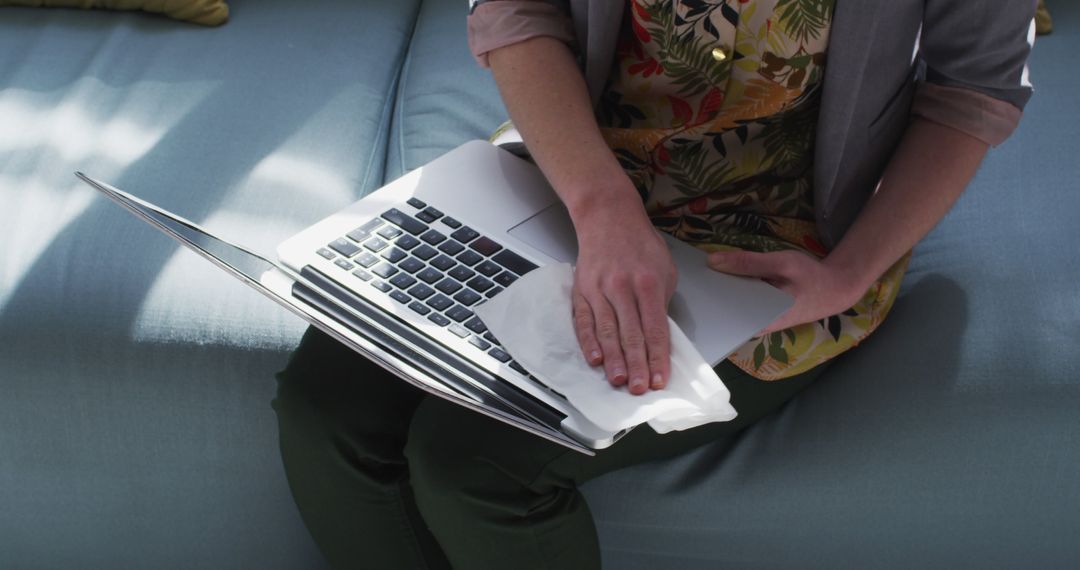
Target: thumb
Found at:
x=749, y=264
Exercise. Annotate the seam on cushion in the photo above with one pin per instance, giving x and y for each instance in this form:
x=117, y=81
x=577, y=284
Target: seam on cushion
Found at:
x=398, y=116
x=386, y=117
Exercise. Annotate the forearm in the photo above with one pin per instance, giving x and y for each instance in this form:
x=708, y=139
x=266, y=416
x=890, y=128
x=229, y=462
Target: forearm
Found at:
x=930, y=168
x=549, y=103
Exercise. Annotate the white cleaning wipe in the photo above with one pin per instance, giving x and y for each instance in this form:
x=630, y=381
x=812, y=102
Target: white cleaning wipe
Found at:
x=533, y=321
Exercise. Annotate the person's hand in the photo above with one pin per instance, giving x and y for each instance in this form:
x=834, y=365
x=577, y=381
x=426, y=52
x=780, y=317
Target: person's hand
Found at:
x=623, y=282
x=819, y=289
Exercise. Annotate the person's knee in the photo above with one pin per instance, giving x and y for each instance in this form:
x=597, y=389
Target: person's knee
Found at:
x=328, y=394
x=462, y=462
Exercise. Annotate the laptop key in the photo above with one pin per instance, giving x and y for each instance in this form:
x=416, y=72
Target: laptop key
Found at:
x=419, y=308
x=513, y=262
x=465, y=234
x=438, y=319
x=440, y=302
x=389, y=232
x=480, y=284
x=421, y=291
x=505, y=278
x=448, y=286
x=485, y=246
x=476, y=325
x=362, y=274
x=322, y=251
x=411, y=265
x=451, y=247
x=461, y=273
x=405, y=221
x=407, y=242
x=381, y=286
x=451, y=222
x=459, y=313
x=416, y=203
x=429, y=275
x=344, y=247
x=467, y=297
x=521, y=369
x=434, y=237
x=385, y=270
x=479, y=342
x=363, y=232
x=425, y=252
x=394, y=255
x=375, y=244
x=403, y=281
x=366, y=259
x=494, y=291
x=400, y=297
x=433, y=212
x=469, y=257
x=425, y=217
x=459, y=330
x=491, y=338
x=344, y=264
x=443, y=262
x=499, y=354
x=488, y=268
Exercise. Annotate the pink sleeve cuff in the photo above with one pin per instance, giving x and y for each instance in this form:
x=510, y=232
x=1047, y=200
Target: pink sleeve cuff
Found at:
x=497, y=24
x=981, y=116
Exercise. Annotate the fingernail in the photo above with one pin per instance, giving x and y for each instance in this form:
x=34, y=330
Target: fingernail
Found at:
x=594, y=356
x=637, y=383
x=618, y=374
x=657, y=380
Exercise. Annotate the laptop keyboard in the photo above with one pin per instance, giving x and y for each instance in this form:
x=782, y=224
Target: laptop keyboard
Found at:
x=436, y=266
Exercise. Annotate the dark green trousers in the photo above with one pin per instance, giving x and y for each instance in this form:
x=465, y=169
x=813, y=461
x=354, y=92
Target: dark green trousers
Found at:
x=387, y=477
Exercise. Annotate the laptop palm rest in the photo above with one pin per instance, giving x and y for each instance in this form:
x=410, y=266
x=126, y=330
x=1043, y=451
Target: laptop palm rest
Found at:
x=717, y=312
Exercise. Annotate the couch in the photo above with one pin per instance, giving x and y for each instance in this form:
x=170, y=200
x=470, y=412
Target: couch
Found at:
x=135, y=425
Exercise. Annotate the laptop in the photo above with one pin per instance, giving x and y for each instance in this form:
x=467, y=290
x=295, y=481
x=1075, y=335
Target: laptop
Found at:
x=397, y=275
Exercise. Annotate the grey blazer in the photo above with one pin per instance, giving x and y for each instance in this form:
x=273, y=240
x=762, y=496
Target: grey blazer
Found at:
x=880, y=53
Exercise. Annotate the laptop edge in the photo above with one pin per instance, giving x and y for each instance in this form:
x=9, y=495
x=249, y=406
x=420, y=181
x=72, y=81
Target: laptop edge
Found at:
x=311, y=297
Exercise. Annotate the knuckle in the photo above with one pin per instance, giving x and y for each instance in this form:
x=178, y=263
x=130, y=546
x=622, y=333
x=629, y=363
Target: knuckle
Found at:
x=607, y=330
x=647, y=282
x=633, y=338
x=619, y=280
x=656, y=336
x=583, y=318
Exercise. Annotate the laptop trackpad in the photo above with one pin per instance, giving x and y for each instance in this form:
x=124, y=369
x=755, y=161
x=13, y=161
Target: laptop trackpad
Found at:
x=550, y=231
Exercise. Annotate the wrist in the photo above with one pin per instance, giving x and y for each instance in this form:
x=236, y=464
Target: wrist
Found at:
x=601, y=203
x=850, y=275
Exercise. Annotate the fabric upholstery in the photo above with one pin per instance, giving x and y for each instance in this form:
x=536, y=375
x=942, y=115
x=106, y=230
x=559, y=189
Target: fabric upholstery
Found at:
x=135, y=427
x=443, y=98
x=205, y=12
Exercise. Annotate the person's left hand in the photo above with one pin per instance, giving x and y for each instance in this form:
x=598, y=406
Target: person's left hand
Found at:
x=819, y=289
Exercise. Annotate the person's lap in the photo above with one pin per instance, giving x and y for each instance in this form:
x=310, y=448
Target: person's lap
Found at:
x=358, y=443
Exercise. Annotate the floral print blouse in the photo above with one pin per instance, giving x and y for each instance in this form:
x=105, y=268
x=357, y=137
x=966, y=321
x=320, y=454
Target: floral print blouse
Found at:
x=712, y=111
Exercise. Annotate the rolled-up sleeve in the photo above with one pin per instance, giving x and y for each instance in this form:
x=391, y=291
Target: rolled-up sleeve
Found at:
x=498, y=23
x=976, y=55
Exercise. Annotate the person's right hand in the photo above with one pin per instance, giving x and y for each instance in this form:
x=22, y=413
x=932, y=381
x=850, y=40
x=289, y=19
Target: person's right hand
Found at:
x=623, y=282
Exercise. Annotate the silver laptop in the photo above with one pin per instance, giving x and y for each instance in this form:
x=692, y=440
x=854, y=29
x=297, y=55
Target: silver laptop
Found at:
x=397, y=274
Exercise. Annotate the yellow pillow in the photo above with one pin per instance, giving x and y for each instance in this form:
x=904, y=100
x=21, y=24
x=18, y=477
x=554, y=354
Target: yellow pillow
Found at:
x=205, y=12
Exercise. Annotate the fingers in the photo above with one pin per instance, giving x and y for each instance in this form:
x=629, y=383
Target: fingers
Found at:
x=607, y=334
x=652, y=306
x=628, y=334
x=751, y=264
x=585, y=328
x=631, y=338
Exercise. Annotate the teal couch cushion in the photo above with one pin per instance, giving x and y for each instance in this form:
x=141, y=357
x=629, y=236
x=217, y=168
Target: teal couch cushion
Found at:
x=135, y=426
